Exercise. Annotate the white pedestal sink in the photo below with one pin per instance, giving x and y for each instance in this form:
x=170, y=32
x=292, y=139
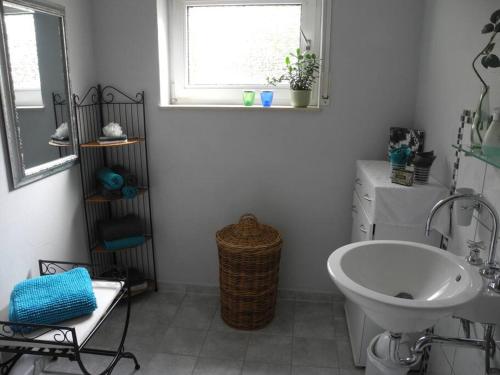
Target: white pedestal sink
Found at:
x=404, y=286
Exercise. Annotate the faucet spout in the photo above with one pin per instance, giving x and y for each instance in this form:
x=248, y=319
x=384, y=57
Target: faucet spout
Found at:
x=490, y=267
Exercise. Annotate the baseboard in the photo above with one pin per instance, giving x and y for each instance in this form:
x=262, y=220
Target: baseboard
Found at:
x=288, y=294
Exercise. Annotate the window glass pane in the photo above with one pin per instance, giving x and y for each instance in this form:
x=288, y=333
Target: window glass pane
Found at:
x=240, y=44
x=21, y=40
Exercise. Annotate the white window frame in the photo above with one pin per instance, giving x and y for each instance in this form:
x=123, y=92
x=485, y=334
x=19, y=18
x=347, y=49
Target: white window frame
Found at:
x=172, y=39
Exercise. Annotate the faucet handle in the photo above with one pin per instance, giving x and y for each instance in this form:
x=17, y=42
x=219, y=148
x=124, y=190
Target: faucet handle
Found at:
x=472, y=245
x=495, y=284
x=474, y=257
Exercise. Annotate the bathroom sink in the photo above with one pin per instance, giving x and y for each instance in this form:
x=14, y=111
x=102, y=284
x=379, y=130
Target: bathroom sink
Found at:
x=404, y=286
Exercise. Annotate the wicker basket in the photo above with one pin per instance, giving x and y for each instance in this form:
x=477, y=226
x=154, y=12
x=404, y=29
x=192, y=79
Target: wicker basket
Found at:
x=249, y=258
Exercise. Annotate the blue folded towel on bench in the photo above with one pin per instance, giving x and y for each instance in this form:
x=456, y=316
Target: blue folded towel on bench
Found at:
x=53, y=298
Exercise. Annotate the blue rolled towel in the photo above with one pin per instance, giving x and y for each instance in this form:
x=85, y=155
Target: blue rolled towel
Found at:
x=52, y=299
x=129, y=192
x=124, y=243
x=109, y=179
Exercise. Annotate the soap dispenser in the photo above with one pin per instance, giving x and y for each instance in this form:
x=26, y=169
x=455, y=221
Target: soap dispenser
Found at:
x=491, y=141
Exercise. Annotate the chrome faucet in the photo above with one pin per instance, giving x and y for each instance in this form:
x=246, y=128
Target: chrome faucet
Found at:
x=490, y=268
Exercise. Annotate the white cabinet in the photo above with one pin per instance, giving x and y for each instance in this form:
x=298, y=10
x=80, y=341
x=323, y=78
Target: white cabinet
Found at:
x=382, y=210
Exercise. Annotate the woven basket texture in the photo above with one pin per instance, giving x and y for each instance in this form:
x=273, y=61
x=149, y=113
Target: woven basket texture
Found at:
x=249, y=258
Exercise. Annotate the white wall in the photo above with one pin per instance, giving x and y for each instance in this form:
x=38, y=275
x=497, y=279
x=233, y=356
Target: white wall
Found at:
x=294, y=170
x=44, y=220
x=451, y=39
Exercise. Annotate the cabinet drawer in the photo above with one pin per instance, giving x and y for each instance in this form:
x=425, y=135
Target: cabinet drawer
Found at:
x=362, y=228
x=366, y=193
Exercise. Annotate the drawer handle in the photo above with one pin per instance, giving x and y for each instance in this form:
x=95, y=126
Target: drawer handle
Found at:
x=357, y=181
x=366, y=197
x=362, y=228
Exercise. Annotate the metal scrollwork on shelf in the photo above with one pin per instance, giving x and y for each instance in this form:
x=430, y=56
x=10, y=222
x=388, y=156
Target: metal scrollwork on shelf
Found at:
x=58, y=99
x=90, y=97
x=109, y=97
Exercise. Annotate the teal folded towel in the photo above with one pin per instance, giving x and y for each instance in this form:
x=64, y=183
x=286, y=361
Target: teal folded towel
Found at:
x=109, y=179
x=52, y=299
x=129, y=192
x=124, y=243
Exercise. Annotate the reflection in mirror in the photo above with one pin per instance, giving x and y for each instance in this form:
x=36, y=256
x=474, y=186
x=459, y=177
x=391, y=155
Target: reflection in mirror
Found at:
x=38, y=78
x=35, y=90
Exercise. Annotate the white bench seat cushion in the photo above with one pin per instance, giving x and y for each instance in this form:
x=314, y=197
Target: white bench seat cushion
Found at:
x=105, y=293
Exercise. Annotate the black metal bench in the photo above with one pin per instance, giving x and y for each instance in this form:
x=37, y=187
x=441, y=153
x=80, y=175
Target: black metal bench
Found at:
x=69, y=340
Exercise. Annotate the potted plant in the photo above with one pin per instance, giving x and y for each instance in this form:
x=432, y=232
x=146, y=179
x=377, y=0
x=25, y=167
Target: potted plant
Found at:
x=301, y=72
x=488, y=60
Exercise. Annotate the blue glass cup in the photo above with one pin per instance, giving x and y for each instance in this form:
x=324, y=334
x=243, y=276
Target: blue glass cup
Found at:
x=266, y=98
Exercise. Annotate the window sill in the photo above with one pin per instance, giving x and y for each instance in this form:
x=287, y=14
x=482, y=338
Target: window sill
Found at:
x=240, y=107
x=29, y=107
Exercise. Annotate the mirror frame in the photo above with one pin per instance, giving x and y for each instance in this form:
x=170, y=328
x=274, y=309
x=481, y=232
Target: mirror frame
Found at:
x=18, y=175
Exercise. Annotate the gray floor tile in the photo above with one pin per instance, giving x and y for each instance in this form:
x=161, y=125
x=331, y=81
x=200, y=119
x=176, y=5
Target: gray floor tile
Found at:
x=91, y=362
x=340, y=327
x=149, y=322
x=183, y=341
x=213, y=366
x=314, y=352
x=344, y=353
x=107, y=336
x=269, y=348
x=304, y=370
x=127, y=366
x=338, y=309
x=321, y=327
x=160, y=299
x=163, y=363
x=144, y=343
x=225, y=345
x=312, y=310
x=219, y=325
x=254, y=368
x=283, y=321
x=201, y=299
x=356, y=371
x=194, y=315
x=311, y=296
x=96, y=364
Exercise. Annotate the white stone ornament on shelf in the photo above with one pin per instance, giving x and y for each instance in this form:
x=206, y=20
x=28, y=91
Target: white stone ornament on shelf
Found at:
x=113, y=129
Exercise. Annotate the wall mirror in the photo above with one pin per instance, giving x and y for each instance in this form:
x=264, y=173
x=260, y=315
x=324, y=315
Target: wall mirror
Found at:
x=37, y=111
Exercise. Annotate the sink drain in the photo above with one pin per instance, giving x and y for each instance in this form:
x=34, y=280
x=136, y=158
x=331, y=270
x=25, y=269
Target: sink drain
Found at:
x=404, y=295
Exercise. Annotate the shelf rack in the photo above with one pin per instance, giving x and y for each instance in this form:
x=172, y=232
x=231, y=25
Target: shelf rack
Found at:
x=98, y=107
x=478, y=154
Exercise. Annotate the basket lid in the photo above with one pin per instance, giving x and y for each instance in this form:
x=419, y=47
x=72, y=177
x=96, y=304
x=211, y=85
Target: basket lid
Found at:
x=248, y=233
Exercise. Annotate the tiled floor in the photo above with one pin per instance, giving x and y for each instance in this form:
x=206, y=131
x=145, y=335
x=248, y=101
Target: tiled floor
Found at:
x=177, y=334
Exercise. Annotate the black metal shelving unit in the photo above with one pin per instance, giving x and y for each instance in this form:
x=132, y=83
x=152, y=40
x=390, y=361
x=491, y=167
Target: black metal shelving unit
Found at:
x=98, y=107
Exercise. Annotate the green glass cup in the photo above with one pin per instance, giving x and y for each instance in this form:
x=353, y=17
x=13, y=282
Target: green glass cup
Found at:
x=248, y=98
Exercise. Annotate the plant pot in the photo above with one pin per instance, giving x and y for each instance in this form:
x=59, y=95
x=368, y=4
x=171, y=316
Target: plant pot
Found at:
x=300, y=98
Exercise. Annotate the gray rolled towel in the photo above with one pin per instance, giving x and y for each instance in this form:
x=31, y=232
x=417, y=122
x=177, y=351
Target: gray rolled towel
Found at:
x=119, y=228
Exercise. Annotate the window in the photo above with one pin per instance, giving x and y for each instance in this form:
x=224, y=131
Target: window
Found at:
x=212, y=50
x=23, y=55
